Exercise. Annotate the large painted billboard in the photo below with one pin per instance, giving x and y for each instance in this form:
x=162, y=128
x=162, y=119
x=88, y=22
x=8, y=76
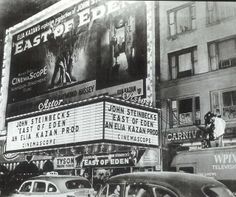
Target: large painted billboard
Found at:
x=94, y=46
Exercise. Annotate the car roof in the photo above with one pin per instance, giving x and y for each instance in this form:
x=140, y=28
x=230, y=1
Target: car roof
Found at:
x=183, y=183
x=57, y=180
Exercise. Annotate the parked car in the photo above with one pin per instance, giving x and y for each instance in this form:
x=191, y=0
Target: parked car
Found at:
x=163, y=184
x=54, y=185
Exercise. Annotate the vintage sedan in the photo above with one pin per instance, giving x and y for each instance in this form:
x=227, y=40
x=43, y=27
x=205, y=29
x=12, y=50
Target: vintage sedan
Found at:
x=163, y=184
x=54, y=185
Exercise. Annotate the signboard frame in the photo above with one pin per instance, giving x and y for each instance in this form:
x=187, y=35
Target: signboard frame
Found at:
x=146, y=84
x=32, y=27
x=104, y=100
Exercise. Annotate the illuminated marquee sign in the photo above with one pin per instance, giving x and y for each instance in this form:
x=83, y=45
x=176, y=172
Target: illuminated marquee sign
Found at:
x=75, y=125
x=94, y=121
x=126, y=124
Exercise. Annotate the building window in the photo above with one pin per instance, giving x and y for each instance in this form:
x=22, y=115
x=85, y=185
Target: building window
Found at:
x=224, y=103
x=182, y=63
x=222, y=54
x=182, y=19
x=185, y=112
x=218, y=11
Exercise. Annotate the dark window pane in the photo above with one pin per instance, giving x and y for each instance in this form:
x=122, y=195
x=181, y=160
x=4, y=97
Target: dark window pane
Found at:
x=75, y=184
x=185, y=106
x=185, y=74
x=104, y=192
x=26, y=187
x=197, y=103
x=234, y=97
x=187, y=169
x=161, y=192
x=39, y=187
x=227, y=99
x=52, y=188
x=139, y=190
x=114, y=190
x=217, y=191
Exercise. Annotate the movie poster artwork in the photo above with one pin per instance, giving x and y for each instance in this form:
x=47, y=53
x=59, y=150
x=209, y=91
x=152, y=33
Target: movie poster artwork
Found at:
x=103, y=41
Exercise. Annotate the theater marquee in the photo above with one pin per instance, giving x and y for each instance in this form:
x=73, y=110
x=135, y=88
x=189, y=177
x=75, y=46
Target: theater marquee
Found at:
x=126, y=124
x=103, y=121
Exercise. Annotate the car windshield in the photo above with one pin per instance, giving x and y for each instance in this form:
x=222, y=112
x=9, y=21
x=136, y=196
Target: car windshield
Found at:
x=211, y=191
x=77, y=184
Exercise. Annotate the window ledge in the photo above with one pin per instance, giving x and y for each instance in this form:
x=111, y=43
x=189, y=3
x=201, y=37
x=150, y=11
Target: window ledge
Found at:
x=219, y=21
x=176, y=36
x=181, y=128
x=199, y=77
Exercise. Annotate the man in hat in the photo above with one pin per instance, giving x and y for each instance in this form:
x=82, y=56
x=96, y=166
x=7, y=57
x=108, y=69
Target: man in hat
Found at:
x=215, y=127
x=208, y=133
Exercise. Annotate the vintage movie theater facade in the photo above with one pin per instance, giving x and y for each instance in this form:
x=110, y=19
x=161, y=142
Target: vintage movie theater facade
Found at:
x=67, y=71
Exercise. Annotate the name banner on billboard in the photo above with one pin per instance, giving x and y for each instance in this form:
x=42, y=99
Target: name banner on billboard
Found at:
x=100, y=41
x=69, y=95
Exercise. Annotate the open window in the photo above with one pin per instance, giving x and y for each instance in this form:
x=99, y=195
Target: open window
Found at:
x=183, y=63
x=218, y=11
x=222, y=54
x=182, y=19
x=224, y=103
x=185, y=112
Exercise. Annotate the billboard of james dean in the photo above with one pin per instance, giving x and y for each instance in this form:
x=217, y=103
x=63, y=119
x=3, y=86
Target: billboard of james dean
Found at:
x=104, y=41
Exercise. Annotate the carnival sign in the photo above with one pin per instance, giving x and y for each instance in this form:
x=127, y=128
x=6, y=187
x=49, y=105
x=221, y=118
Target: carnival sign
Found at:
x=184, y=136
